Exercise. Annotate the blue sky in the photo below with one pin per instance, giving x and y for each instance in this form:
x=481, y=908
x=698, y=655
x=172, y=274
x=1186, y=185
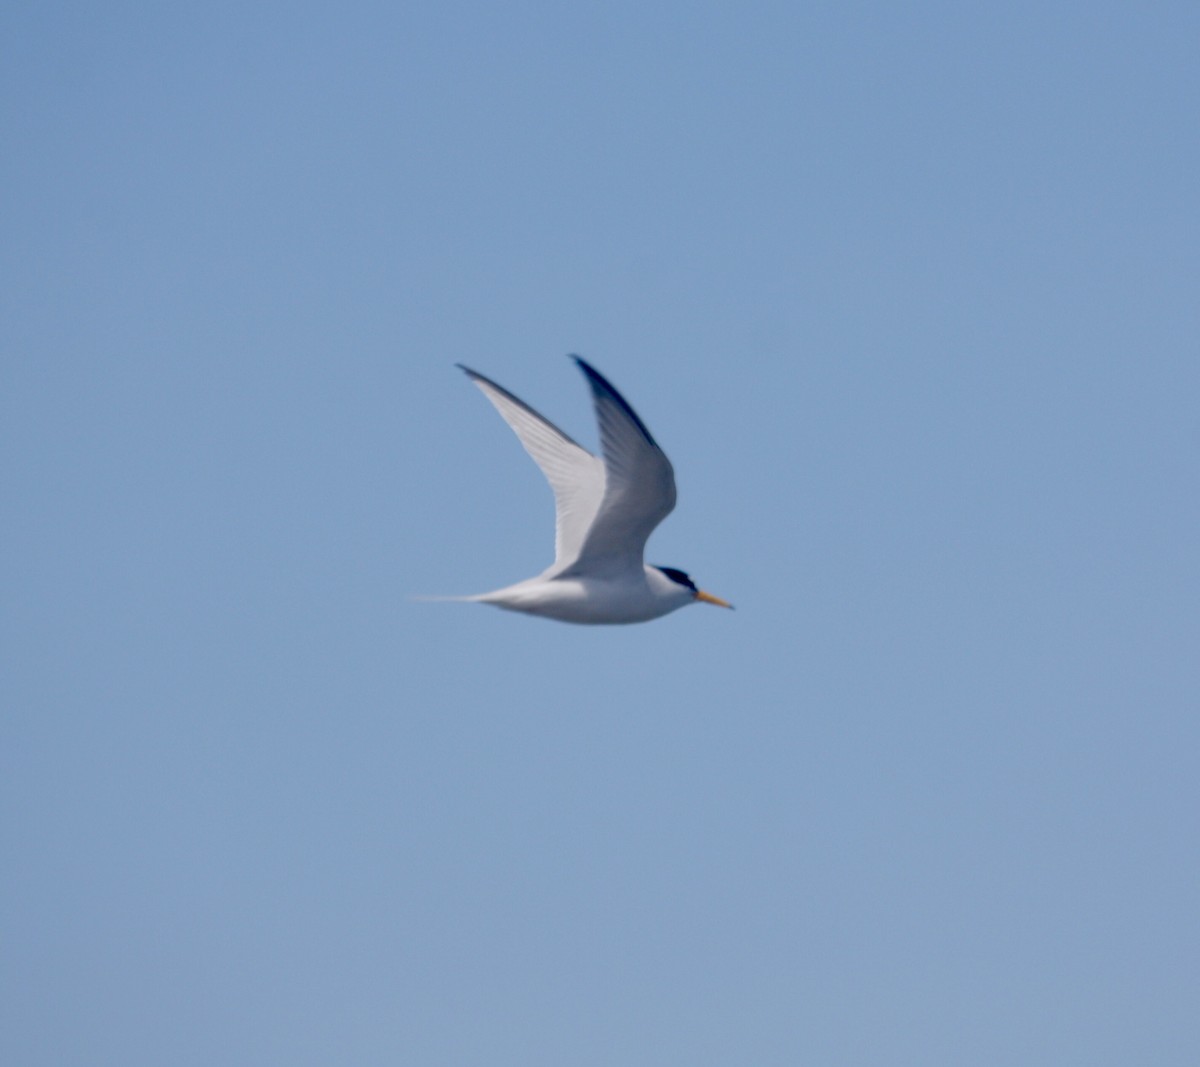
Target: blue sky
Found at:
x=909, y=295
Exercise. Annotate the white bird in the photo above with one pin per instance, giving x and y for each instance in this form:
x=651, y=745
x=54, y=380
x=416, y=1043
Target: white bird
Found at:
x=605, y=509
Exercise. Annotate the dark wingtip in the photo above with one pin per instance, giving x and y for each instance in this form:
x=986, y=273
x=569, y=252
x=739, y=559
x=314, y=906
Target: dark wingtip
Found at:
x=588, y=369
x=601, y=386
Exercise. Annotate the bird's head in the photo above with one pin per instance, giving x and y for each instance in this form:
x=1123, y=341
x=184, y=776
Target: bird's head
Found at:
x=681, y=578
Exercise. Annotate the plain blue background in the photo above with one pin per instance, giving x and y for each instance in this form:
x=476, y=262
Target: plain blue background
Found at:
x=909, y=293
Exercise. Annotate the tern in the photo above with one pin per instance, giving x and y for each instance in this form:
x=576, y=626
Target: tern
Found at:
x=605, y=509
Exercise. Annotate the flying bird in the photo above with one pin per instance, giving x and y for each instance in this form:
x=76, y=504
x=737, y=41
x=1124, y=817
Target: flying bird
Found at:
x=605, y=509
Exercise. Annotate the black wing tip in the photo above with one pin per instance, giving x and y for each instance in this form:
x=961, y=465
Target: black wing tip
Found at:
x=592, y=374
x=597, y=380
x=601, y=386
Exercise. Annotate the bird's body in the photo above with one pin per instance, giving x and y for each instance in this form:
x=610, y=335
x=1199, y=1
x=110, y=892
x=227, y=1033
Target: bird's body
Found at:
x=605, y=509
x=593, y=600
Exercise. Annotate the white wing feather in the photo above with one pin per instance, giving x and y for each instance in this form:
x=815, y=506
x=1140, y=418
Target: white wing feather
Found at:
x=574, y=474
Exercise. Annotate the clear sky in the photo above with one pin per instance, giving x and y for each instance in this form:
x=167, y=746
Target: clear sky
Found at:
x=910, y=294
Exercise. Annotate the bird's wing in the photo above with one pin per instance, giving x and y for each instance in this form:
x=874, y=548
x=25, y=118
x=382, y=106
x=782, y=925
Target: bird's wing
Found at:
x=575, y=475
x=639, y=484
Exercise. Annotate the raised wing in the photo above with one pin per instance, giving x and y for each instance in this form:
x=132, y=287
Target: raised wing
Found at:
x=639, y=484
x=575, y=475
